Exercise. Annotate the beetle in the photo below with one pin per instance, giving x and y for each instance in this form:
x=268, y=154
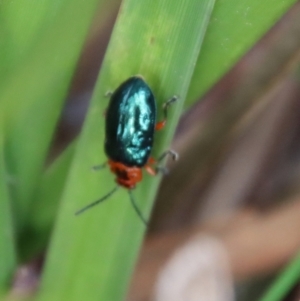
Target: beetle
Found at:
x=129, y=134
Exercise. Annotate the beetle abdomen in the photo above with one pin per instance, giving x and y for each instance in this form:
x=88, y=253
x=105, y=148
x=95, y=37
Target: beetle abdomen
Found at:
x=130, y=123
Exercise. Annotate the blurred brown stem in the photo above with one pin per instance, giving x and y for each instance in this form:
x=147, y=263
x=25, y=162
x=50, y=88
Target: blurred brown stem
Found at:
x=256, y=243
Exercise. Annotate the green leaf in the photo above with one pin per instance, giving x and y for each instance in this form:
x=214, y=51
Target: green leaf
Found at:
x=7, y=242
x=288, y=278
x=34, y=88
x=234, y=28
x=46, y=205
x=95, y=252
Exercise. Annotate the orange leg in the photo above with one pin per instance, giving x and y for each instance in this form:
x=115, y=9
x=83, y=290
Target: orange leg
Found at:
x=150, y=170
x=161, y=124
x=151, y=160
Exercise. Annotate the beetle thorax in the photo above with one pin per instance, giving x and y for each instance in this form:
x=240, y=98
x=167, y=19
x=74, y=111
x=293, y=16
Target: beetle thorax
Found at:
x=127, y=176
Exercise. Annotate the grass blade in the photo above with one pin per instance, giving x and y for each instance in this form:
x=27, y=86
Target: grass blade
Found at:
x=92, y=256
x=33, y=91
x=289, y=277
x=234, y=29
x=8, y=258
x=44, y=210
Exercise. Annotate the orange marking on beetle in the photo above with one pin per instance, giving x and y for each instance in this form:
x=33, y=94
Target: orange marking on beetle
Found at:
x=127, y=176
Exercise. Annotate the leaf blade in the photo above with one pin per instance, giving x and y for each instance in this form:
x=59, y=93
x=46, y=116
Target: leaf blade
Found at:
x=168, y=73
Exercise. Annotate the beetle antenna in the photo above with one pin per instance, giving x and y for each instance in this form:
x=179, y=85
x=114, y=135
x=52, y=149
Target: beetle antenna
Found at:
x=100, y=166
x=97, y=202
x=136, y=208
